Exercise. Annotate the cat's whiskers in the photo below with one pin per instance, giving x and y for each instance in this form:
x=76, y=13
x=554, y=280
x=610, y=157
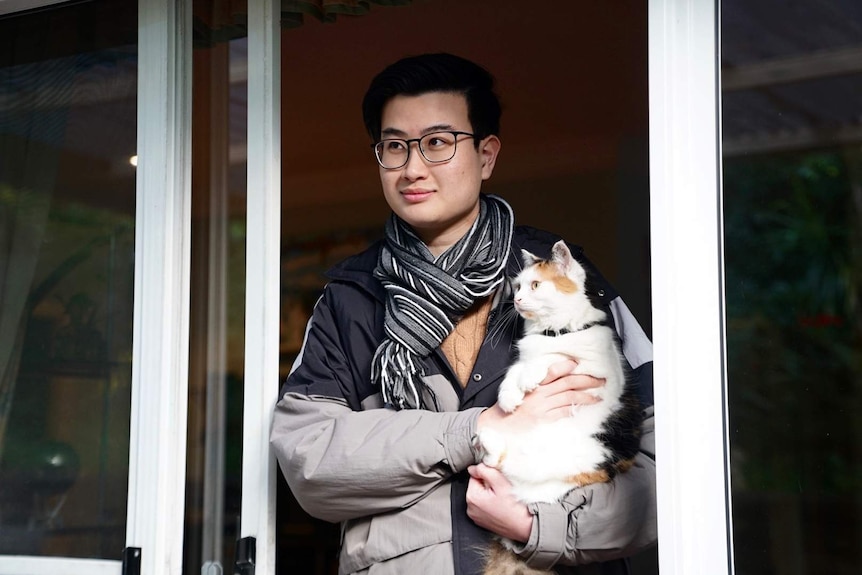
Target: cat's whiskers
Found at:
x=507, y=319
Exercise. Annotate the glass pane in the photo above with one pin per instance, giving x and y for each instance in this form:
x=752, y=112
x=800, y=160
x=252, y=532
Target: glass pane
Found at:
x=68, y=83
x=214, y=457
x=792, y=76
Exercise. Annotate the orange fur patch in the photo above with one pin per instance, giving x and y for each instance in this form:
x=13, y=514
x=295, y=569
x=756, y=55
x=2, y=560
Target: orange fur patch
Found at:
x=549, y=273
x=588, y=478
x=599, y=475
x=502, y=459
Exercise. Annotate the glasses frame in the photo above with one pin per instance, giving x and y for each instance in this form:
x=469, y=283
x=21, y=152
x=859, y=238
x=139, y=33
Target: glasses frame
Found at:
x=408, y=141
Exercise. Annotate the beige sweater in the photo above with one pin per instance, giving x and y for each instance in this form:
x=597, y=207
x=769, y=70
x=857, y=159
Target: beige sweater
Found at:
x=461, y=347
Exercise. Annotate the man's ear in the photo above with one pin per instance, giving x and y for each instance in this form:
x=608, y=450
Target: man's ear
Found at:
x=489, y=148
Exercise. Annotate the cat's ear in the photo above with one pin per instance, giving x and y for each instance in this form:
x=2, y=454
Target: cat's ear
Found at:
x=561, y=255
x=567, y=264
x=529, y=259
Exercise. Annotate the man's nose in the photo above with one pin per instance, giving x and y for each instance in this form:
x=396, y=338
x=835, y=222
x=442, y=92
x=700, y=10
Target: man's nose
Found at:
x=416, y=164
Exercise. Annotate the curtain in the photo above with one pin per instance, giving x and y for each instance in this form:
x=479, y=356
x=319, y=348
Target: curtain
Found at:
x=223, y=20
x=32, y=126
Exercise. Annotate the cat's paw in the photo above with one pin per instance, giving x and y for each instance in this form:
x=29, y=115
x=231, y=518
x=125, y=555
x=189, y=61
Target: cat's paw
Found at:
x=493, y=447
x=509, y=398
x=531, y=377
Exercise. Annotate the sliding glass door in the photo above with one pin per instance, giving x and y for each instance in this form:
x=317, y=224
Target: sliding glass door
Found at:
x=792, y=171
x=68, y=91
x=95, y=143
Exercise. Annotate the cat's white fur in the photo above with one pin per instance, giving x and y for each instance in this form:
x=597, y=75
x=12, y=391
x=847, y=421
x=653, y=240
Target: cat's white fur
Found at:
x=542, y=462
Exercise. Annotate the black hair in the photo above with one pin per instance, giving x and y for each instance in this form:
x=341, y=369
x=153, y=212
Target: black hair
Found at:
x=426, y=73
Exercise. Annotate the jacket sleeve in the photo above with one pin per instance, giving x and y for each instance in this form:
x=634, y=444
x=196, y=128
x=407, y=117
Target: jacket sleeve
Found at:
x=342, y=463
x=605, y=521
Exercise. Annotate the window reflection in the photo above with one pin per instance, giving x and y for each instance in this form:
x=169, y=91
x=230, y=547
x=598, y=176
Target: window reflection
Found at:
x=793, y=229
x=68, y=81
x=216, y=354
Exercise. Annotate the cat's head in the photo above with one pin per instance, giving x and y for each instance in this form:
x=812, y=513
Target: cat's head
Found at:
x=551, y=294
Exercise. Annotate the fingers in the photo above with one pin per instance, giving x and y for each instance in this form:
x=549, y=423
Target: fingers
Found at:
x=482, y=472
x=568, y=383
x=565, y=399
x=559, y=369
x=565, y=407
x=539, y=405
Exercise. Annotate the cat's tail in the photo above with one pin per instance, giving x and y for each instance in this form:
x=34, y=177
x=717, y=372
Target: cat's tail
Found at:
x=502, y=561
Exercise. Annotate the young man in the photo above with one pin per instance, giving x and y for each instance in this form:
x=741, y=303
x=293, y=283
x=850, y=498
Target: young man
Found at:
x=406, y=348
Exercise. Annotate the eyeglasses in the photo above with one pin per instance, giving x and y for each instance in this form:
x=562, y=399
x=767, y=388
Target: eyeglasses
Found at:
x=437, y=147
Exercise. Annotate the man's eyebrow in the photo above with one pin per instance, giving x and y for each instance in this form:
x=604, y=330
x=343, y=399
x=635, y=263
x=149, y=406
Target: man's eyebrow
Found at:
x=396, y=133
x=438, y=128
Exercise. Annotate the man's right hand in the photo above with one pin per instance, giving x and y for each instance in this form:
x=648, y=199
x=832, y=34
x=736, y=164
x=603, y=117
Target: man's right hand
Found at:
x=552, y=399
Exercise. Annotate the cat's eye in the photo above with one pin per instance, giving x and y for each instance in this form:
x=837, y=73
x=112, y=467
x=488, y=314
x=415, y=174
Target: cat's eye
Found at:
x=535, y=285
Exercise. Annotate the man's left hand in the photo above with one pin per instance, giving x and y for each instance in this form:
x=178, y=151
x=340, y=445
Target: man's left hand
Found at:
x=490, y=504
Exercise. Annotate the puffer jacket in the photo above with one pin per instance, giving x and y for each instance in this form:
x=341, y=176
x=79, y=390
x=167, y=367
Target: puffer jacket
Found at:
x=396, y=480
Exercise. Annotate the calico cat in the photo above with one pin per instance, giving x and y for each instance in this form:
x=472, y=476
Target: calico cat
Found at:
x=598, y=440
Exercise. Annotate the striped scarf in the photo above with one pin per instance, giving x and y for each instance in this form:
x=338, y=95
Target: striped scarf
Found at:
x=426, y=296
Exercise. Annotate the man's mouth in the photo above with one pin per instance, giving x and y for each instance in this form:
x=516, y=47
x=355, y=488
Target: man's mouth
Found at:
x=415, y=195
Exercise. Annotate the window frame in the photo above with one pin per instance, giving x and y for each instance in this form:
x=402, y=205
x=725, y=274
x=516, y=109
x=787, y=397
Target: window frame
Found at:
x=693, y=471
x=263, y=280
x=157, y=460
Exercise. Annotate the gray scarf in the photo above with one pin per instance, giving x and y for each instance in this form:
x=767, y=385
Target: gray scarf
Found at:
x=426, y=296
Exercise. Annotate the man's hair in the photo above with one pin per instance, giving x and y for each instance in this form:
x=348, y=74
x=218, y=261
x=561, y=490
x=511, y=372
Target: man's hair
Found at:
x=417, y=75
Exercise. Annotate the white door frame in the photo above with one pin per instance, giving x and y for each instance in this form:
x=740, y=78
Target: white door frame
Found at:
x=263, y=283
x=160, y=356
x=694, y=513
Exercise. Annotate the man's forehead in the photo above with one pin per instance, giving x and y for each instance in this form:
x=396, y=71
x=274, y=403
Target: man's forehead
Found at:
x=425, y=113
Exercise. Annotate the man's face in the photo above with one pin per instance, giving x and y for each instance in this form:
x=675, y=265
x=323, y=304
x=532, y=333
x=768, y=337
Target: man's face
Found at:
x=439, y=201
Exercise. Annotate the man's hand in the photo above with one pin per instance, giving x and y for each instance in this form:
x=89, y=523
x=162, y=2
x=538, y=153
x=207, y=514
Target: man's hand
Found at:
x=553, y=399
x=490, y=504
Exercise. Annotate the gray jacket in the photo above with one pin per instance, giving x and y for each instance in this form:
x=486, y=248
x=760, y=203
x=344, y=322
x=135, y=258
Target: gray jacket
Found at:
x=396, y=480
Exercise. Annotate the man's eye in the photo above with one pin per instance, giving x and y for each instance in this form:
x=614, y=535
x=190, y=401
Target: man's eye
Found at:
x=535, y=285
x=438, y=141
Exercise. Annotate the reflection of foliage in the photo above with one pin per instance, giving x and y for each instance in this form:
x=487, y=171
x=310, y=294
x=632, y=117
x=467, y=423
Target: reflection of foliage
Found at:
x=792, y=341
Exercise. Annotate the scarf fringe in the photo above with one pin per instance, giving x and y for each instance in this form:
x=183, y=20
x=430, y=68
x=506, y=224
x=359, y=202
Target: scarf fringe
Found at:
x=399, y=376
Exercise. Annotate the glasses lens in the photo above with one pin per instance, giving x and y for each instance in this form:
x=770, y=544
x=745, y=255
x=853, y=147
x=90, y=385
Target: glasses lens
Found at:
x=438, y=147
x=391, y=153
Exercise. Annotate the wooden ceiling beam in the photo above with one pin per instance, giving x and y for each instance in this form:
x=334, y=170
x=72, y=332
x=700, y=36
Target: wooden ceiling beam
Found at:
x=794, y=69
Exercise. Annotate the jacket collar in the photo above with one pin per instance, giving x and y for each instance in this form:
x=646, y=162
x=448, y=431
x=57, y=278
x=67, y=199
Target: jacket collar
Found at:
x=358, y=269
